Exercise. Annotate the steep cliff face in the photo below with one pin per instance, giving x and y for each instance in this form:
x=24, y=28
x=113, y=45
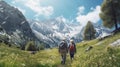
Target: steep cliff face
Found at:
x=12, y=19
x=15, y=24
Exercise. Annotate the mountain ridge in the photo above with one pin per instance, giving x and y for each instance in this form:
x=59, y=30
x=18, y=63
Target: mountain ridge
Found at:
x=14, y=23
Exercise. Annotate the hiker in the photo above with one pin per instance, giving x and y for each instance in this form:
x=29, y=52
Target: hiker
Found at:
x=72, y=49
x=63, y=50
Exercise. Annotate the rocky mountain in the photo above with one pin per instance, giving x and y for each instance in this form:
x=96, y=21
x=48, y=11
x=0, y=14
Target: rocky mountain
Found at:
x=52, y=31
x=101, y=31
x=15, y=24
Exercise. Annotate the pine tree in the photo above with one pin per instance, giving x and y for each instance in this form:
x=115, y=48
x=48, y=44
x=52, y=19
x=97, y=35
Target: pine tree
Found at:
x=89, y=32
x=110, y=13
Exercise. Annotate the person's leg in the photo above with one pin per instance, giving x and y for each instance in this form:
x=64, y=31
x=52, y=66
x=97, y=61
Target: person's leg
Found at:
x=71, y=56
x=64, y=58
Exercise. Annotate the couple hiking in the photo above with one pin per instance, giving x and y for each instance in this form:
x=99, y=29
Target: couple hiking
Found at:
x=64, y=49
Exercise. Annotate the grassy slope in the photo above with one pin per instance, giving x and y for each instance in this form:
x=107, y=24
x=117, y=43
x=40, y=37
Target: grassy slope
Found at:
x=101, y=55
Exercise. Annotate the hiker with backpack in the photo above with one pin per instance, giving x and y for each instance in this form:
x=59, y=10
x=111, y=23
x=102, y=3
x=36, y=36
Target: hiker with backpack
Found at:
x=72, y=49
x=63, y=50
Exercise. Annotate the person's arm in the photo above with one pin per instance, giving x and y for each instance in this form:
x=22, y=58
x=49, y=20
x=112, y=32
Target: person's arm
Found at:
x=66, y=47
x=75, y=47
x=59, y=48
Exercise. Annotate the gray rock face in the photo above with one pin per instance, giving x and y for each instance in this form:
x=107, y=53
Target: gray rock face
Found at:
x=11, y=19
x=15, y=24
x=115, y=43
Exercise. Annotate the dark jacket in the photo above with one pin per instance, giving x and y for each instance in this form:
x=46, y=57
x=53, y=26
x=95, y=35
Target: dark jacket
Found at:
x=63, y=47
x=74, y=48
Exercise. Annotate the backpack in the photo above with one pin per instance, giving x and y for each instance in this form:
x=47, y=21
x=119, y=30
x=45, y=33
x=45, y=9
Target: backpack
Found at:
x=72, y=47
x=62, y=46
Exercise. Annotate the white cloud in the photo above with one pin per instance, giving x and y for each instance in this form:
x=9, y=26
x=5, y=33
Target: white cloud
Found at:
x=35, y=6
x=92, y=16
x=13, y=2
x=18, y=1
x=61, y=19
x=81, y=10
x=64, y=20
x=91, y=8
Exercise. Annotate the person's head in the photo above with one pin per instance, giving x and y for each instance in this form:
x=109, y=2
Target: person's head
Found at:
x=63, y=39
x=71, y=41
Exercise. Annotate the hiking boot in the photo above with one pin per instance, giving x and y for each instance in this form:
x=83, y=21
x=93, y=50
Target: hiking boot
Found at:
x=61, y=62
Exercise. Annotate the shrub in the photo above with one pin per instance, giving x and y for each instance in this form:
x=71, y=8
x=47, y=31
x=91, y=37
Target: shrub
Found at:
x=41, y=47
x=30, y=46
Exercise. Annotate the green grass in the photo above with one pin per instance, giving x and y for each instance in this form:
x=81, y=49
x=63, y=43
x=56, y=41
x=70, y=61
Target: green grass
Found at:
x=101, y=55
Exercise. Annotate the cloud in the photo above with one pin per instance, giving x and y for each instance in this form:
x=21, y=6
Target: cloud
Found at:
x=35, y=6
x=81, y=10
x=61, y=19
x=92, y=16
x=91, y=8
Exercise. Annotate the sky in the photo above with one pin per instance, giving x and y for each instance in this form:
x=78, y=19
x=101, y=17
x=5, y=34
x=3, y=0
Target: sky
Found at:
x=80, y=11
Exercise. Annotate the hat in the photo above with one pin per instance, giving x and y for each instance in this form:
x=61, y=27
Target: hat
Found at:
x=71, y=40
x=63, y=39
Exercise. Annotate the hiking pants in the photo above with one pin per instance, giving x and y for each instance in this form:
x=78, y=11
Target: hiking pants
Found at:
x=71, y=55
x=63, y=57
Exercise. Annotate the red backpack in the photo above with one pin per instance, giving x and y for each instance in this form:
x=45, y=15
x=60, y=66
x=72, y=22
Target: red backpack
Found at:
x=72, y=47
